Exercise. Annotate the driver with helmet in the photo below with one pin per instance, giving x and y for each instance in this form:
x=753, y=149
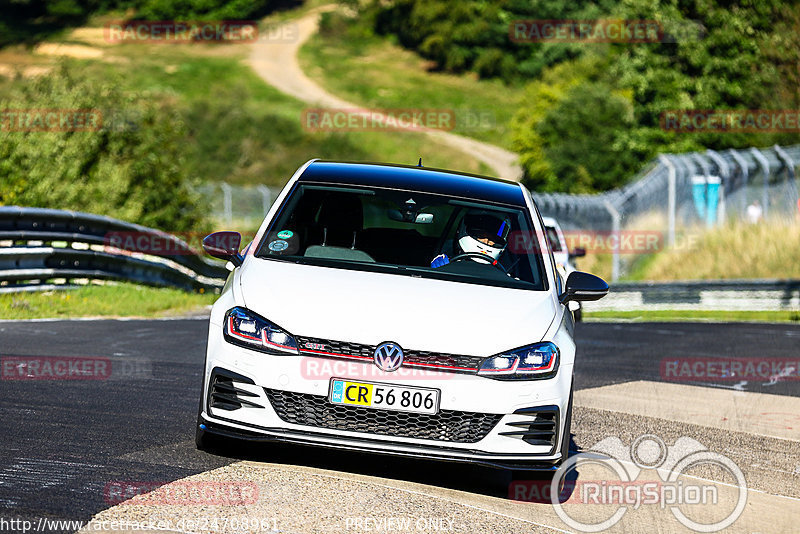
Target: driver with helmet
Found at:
x=481, y=233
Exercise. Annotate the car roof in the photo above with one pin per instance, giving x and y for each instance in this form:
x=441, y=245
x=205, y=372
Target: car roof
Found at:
x=422, y=179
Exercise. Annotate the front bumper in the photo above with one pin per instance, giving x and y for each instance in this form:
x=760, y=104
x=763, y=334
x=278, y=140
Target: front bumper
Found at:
x=230, y=429
x=502, y=446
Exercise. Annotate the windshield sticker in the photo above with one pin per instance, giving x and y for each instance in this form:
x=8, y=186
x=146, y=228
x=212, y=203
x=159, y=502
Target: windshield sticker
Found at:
x=279, y=245
x=285, y=234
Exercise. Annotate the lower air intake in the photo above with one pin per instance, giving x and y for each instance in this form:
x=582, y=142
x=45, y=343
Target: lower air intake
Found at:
x=316, y=411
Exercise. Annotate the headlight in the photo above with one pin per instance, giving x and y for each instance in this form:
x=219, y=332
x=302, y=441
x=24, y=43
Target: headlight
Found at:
x=533, y=362
x=246, y=329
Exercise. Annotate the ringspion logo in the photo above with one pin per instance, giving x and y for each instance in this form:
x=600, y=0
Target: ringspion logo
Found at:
x=647, y=473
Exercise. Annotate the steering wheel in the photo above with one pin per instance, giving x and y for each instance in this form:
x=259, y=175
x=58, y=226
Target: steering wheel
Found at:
x=483, y=257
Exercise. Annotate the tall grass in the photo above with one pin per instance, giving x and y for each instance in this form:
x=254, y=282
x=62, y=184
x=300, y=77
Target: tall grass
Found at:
x=736, y=250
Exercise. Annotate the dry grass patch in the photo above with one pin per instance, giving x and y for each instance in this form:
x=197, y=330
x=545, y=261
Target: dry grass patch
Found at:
x=767, y=250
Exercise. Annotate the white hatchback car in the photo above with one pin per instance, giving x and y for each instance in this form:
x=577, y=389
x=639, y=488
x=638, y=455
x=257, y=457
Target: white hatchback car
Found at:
x=395, y=310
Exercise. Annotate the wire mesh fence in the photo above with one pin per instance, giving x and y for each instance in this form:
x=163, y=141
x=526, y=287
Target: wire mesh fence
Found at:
x=675, y=192
x=237, y=207
x=671, y=194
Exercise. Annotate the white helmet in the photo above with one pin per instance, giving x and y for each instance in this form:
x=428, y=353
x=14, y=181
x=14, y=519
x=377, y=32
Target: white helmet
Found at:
x=482, y=232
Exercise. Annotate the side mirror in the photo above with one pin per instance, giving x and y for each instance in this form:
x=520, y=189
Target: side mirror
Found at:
x=583, y=287
x=225, y=246
x=577, y=252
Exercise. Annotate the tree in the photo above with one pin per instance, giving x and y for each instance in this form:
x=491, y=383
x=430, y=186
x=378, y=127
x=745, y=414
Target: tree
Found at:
x=131, y=167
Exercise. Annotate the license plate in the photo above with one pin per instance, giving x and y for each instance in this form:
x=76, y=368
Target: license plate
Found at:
x=384, y=396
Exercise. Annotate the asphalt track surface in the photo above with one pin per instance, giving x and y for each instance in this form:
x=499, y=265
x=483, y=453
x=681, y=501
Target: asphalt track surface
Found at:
x=64, y=441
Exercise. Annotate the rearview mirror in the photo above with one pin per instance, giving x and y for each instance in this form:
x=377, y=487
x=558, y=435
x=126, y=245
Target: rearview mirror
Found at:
x=583, y=287
x=410, y=216
x=225, y=246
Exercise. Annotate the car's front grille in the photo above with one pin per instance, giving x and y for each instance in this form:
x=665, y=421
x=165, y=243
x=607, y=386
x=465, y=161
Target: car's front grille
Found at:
x=316, y=411
x=413, y=358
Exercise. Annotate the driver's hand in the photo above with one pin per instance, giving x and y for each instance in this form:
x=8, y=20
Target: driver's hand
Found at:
x=440, y=260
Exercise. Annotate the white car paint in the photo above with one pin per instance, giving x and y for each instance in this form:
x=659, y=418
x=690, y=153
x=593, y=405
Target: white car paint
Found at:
x=418, y=314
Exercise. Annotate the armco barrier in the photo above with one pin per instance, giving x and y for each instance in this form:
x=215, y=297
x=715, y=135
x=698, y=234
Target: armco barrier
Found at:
x=49, y=248
x=724, y=295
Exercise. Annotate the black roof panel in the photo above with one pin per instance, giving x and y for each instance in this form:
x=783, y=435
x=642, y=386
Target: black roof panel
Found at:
x=410, y=178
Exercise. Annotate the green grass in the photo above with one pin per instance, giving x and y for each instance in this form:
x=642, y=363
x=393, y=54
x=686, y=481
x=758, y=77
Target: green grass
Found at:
x=243, y=131
x=680, y=315
x=110, y=300
x=371, y=71
x=239, y=129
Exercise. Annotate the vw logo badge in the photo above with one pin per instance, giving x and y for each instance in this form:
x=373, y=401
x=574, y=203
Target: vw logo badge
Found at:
x=389, y=357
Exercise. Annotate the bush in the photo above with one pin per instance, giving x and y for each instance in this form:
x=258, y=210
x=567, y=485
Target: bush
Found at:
x=596, y=123
x=726, y=55
x=210, y=9
x=30, y=21
x=132, y=168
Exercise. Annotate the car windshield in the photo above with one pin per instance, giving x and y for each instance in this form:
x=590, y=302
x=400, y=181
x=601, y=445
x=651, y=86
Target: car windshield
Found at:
x=401, y=232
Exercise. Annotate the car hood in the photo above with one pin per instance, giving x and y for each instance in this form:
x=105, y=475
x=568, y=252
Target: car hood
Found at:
x=417, y=313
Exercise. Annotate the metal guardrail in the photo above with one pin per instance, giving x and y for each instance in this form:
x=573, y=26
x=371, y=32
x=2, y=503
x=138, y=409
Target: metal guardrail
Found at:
x=50, y=248
x=31, y=261
x=706, y=295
